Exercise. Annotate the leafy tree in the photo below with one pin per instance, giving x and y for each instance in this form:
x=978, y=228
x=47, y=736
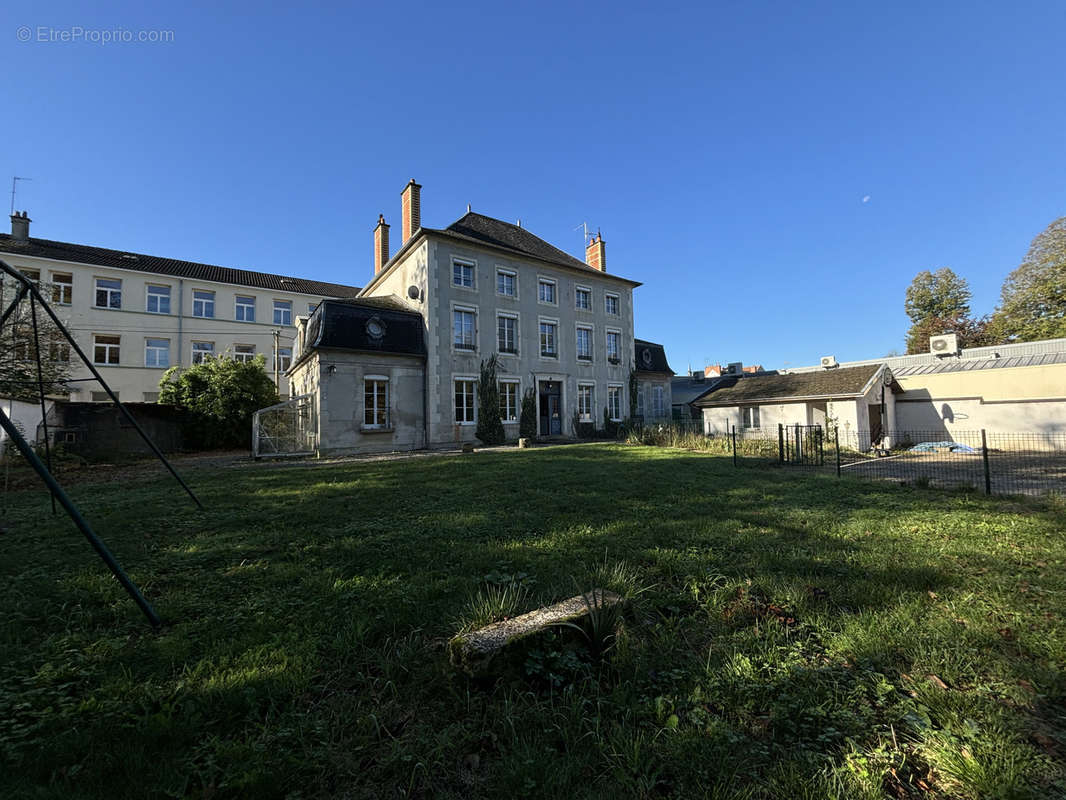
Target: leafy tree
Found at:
x=222, y=394
x=1033, y=300
x=18, y=353
x=939, y=302
x=527, y=423
x=489, y=424
x=971, y=332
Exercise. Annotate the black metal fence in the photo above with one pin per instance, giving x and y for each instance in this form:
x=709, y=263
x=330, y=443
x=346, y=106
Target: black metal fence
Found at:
x=989, y=461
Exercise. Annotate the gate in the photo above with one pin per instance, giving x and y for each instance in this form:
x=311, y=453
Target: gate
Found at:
x=285, y=429
x=801, y=445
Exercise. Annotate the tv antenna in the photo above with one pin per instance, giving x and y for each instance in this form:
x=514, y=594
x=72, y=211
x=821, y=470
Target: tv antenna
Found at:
x=14, y=186
x=584, y=228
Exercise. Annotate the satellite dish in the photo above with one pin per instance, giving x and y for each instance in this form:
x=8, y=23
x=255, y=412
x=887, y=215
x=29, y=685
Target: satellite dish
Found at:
x=412, y=292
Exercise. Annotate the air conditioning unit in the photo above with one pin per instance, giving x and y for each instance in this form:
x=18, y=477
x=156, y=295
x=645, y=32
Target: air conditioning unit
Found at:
x=829, y=361
x=944, y=345
x=736, y=368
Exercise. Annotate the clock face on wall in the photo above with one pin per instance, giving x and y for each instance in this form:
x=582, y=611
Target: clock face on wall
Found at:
x=375, y=328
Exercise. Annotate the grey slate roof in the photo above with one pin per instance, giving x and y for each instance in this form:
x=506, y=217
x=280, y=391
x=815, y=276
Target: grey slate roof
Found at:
x=684, y=388
x=971, y=364
x=118, y=259
x=344, y=324
x=839, y=382
x=650, y=357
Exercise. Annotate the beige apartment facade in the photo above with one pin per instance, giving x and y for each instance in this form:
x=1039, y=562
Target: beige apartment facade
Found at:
x=135, y=316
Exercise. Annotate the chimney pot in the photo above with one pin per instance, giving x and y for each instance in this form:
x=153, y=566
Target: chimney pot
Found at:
x=410, y=209
x=20, y=226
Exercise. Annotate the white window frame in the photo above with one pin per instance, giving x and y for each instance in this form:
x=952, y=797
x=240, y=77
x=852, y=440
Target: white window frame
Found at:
x=607, y=345
x=282, y=303
x=149, y=294
x=658, y=398
x=616, y=390
x=110, y=290
x=517, y=384
x=591, y=306
x=388, y=403
x=149, y=347
x=456, y=380
x=238, y=305
x=544, y=280
x=591, y=330
x=107, y=362
x=540, y=349
x=513, y=275
x=607, y=297
x=465, y=309
x=62, y=291
x=641, y=400
x=203, y=303
x=284, y=353
x=513, y=316
x=589, y=416
x=195, y=351
x=465, y=262
x=749, y=415
x=245, y=357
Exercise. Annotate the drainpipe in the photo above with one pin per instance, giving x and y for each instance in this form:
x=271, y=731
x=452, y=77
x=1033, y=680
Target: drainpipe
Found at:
x=181, y=314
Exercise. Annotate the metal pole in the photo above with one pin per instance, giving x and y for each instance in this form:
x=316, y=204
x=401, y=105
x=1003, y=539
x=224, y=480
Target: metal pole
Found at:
x=836, y=441
x=780, y=443
x=734, y=445
x=40, y=392
x=79, y=520
x=96, y=374
x=984, y=457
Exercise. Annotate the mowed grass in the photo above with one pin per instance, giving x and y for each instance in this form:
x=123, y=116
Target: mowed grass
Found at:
x=799, y=635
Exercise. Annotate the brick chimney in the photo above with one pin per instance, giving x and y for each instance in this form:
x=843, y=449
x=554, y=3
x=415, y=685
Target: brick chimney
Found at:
x=595, y=255
x=410, y=209
x=381, y=244
x=20, y=226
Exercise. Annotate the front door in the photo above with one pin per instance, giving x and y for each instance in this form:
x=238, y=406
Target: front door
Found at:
x=551, y=408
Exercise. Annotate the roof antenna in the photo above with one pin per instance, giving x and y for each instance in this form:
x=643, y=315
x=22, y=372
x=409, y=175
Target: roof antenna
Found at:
x=14, y=185
x=584, y=227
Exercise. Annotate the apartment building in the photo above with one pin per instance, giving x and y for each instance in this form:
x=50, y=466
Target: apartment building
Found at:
x=136, y=315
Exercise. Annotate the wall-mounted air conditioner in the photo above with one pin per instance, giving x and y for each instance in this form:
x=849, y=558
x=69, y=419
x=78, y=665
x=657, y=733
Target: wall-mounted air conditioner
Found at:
x=944, y=345
x=829, y=361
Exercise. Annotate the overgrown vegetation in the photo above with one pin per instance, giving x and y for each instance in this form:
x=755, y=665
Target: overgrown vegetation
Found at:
x=489, y=425
x=222, y=394
x=527, y=423
x=793, y=636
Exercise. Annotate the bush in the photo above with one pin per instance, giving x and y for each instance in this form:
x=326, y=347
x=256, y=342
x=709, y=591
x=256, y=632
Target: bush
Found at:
x=489, y=425
x=527, y=423
x=221, y=395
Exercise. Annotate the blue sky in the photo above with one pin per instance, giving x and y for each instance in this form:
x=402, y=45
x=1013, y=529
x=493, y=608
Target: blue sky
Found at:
x=725, y=150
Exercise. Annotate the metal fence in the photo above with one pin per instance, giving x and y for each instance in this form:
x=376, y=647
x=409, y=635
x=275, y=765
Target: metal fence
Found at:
x=285, y=429
x=989, y=461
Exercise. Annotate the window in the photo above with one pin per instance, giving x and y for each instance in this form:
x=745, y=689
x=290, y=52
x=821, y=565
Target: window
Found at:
x=509, y=401
x=101, y=397
x=108, y=293
x=749, y=416
x=105, y=349
x=505, y=282
x=376, y=402
x=657, y=401
x=614, y=402
x=546, y=291
x=59, y=351
x=547, y=340
x=245, y=353
x=150, y=397
x=464, y=401
x=583, y=298
x=201, y=351
x=584, y=344
x=311, y=308
x=283, y=359
x=614, y=347
x=640, y=402
x=506, y=333
x=203, y=303
x=33, y=274
x=463, y=274
x=584, y=402
x=158, y=300
x=62, y=288
x=157, y=352
x=610, y=304
x=245, y=309
x=463, y=329
x=283, y=312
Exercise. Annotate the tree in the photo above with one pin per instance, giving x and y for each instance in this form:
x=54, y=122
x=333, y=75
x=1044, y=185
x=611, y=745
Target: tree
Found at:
x=939, y=302
x=527, y=423
x=18, y=353
x=1033, y=300
x=489, y=425
x=223, y=394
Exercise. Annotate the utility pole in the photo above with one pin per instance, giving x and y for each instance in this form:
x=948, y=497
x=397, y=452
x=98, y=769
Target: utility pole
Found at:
x=277, y=358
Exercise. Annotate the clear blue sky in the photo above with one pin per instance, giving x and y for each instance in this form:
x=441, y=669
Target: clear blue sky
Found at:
x=724, y=150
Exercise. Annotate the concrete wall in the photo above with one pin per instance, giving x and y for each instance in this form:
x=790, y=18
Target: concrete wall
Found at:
x=27, y=417
x=131, y=379
x=339, y=400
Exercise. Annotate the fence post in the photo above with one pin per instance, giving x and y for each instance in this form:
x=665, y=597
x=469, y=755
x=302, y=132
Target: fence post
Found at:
x=984, y=457
x=780, y=443
x=734, y=445
x=836, y=443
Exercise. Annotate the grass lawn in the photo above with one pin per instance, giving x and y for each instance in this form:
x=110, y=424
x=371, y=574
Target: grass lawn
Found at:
x=799, y=635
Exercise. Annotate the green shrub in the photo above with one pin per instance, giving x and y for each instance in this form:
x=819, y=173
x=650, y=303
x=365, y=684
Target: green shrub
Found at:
x=489, y=425
x=527, y=422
